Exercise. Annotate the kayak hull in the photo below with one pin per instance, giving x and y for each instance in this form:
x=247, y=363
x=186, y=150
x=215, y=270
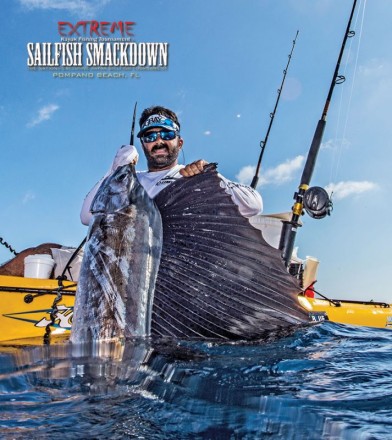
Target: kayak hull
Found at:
x=26, y=305
x=368, y=314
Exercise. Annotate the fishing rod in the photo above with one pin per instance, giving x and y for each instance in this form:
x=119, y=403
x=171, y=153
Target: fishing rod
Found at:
x=263, y=143
x=133, y=125
x=61, y=288
x=67, y=266
x=315, y=200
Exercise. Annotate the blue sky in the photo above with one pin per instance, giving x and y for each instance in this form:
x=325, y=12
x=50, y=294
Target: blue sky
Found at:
x=226, y=61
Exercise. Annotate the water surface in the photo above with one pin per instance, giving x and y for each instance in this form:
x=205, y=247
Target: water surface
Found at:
x=324, y=381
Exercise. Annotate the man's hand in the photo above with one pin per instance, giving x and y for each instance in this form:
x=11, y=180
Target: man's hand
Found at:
x=125, y=155
x=193, y=168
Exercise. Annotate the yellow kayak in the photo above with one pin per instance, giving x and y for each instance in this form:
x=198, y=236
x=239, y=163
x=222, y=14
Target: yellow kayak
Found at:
x=26, y=305
x=362, y=313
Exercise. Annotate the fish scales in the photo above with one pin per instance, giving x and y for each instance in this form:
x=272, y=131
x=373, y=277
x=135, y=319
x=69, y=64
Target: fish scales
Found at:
x=121, y=258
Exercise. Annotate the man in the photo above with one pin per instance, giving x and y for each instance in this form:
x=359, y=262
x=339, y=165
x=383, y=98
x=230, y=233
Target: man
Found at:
x=161, y=142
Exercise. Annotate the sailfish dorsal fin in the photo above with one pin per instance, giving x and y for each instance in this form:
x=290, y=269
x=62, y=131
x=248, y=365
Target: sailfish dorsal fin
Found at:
x=218, y=277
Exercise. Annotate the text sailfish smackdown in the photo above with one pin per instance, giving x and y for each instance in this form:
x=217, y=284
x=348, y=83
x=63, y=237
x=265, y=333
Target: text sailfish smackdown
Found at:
x=95, y=54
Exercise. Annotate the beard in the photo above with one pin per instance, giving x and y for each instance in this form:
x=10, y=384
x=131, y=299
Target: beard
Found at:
x=164, y=160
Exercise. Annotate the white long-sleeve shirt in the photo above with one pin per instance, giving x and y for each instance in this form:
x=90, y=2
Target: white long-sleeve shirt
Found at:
x=248, y=200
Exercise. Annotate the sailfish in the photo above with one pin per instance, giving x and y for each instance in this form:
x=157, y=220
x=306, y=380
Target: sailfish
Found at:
x=203, y=270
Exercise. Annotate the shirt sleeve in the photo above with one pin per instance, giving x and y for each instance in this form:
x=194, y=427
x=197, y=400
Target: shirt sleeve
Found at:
x=85, y=213
x=126, y=154
x=247, y=199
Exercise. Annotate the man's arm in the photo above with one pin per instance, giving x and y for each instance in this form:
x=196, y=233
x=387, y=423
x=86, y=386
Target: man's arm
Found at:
x=247, y=199
x=85, y=213
x=125, y=155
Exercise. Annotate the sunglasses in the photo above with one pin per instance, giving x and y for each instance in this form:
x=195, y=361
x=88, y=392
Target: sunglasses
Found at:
x=164, y=134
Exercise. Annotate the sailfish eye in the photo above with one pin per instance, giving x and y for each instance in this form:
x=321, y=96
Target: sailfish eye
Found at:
x=121, y=177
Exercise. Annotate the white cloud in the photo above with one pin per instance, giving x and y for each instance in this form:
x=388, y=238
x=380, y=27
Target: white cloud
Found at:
x=44, y=113
x=82, y=7
x=310, y=7
x=282, y=173
x=246, y=174
x=292, y=89
x=376, y=68
x=375, y=99
x=341, y=190
x=27, y=197
x=207, y=133
x=335, y=144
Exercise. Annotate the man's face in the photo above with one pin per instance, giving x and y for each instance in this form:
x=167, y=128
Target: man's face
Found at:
x=161, y=154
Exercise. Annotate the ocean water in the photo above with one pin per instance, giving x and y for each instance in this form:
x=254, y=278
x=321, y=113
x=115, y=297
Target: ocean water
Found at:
x=324, y=381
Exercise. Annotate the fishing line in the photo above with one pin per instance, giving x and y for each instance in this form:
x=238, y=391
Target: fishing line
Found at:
x=290, y=228
x=183, y=156
x=352, y=88
x=8, y=246
x=335, y=165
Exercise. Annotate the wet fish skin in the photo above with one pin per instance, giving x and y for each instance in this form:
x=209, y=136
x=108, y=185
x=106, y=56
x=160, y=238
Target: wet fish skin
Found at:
x=218, y=278
x=120, y=264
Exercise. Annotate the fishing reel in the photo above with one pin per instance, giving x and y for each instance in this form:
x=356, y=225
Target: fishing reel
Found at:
x=317, y=202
